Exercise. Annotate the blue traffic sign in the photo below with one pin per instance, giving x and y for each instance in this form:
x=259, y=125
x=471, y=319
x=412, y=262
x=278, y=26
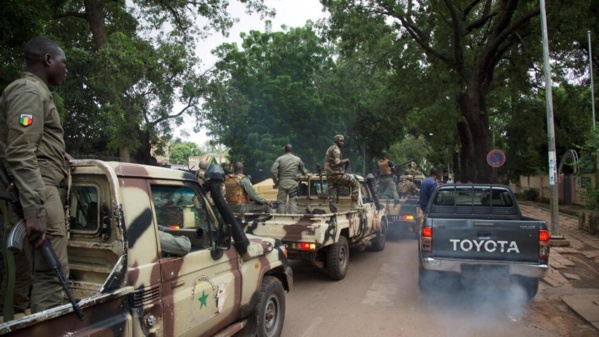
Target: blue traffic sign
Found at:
x=496, y=158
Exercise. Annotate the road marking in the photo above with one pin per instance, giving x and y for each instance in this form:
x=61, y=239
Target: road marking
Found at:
x=384, y=288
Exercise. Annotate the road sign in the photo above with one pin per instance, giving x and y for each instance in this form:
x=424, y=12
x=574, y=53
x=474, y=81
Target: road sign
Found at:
x=496, y=158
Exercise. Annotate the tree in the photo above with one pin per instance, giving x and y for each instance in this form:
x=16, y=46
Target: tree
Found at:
x=181, y=151
x=268, y=95
x=137, y=73
x=473, y=40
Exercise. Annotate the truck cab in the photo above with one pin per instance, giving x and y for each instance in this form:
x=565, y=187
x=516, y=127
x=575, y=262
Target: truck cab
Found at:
x=124, y=280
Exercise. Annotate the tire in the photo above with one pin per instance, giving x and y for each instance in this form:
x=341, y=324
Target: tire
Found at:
x=269, y=314
x=338, y=259
x=530, y=285
x=378, y=243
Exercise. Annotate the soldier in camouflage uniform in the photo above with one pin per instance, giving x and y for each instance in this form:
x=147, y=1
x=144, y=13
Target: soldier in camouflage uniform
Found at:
x=407, y=187
x=241, y=196
x=33, y=151
x=386, y=182
x=334, y=171
x=285, y=171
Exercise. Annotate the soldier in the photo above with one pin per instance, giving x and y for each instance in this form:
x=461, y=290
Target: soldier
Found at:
x=285, y=171
x=334, y=171
x=172, y=245
x=200, y=174
x=33, y=151
x=407, y=187
x=386, y=182
x=240, y=194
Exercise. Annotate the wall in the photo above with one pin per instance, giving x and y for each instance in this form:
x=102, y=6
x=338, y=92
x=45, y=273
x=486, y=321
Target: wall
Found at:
x=541, y=184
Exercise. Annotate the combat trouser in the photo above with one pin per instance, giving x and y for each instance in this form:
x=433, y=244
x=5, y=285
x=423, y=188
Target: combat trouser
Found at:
x=23, y=276
x=385, y=184
x=287, y=187
x=46, y=290
x=344, y=180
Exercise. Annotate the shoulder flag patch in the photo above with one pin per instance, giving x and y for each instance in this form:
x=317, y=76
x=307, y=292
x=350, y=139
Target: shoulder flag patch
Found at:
x=26, y=119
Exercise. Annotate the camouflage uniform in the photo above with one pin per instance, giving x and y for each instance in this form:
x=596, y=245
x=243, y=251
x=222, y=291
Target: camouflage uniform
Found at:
x=242, y=197
x=285, y=171
x=335, y=175
x=386, y=181
x=407, y=187
x=172, y=245
x=32, y=150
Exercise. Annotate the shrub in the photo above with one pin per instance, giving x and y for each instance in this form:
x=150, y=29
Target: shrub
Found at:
x=530, y=194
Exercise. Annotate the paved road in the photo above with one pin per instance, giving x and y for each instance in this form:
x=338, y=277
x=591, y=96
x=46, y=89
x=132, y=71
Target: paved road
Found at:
x=380, y=297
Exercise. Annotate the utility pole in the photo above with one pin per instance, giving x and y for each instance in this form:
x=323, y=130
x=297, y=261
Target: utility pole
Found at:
x=591, y=75
x=555, y=234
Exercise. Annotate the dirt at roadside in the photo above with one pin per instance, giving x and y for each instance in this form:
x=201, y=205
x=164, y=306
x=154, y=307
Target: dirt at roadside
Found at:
x=574, y=270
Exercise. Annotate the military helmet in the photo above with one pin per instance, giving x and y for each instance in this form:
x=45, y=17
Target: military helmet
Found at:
x=338, y=137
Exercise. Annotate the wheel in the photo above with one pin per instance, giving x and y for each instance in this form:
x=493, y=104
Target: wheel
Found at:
x=338, y=258
x=378, y=243
x=269, y=314
x=530, y=285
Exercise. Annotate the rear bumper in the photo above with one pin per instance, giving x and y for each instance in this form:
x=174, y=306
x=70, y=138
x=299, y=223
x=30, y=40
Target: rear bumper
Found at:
x=514, y=268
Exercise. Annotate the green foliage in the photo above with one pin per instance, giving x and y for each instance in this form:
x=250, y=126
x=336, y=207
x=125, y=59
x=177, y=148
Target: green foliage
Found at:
x=181, y=151
x=591, y=198
x=133, y=73
x=267, y=95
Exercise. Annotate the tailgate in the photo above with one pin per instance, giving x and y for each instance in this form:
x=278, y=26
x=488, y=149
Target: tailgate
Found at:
x=511, y=240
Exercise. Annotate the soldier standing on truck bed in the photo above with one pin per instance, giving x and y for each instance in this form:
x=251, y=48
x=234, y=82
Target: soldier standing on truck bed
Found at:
x=335, y=176
x=33, y=151
x=386, y=181
x=285, y=172
x=240, y=194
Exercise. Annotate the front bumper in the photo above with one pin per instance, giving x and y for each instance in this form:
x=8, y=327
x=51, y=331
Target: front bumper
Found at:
x=513, y=268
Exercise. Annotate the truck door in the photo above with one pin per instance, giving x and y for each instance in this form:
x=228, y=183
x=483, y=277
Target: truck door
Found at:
x=202, y=287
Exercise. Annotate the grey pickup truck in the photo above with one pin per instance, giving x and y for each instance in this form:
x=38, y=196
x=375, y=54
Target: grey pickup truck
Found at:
x=473, y=229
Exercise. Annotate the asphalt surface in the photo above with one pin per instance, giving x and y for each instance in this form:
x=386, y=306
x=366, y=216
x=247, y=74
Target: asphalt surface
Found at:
x=380, y=296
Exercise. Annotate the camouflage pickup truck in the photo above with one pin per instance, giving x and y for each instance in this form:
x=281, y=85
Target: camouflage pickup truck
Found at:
x=318, y=236
x=127, y=286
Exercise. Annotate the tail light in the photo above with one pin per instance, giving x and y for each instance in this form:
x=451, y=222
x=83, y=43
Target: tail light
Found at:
x=302, y=245
x=408, y=217
x=426, y=239
x=543, y=244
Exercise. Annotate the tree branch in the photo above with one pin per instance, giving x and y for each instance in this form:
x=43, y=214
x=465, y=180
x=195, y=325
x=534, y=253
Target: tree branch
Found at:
x=69, y=14
x=457, y=39
x=469, y=8
x=190, y=104
x=491, y=55
x=417, y=34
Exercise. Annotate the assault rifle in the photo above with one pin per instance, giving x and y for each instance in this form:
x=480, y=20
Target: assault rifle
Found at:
x=322, y=194
x=17, y=236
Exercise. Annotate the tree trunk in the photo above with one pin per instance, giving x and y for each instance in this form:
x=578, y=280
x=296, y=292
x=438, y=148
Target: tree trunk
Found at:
x=474, y=135
x=94, y=14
